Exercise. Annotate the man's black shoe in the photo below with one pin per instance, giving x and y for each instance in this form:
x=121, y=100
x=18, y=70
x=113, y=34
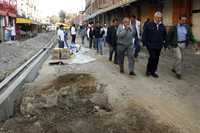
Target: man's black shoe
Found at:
x=132, y=74
x=121, y=71
x=116, y=63
x=148, y=74
x=178, y=76
x=173, y=70
x=155, y=75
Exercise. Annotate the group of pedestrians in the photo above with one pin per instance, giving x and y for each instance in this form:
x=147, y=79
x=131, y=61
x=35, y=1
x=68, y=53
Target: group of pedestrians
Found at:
x=96, y=35
x=124, y=39
x=63, y=35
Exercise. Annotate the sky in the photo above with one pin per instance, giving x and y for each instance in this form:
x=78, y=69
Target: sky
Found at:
x=52, y=7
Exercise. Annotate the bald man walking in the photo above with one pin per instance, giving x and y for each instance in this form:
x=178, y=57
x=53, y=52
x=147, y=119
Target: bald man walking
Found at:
x=154, y=38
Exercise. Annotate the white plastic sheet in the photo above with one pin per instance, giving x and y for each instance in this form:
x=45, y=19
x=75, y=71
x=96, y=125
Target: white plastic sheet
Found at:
x=81, y=58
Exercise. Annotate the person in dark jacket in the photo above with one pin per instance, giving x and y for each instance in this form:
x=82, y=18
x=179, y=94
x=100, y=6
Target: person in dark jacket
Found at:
x=146, y=23
x=154, y=38
x=98, y=34
x=178, y=38
x=90, y=35
x=111, y=39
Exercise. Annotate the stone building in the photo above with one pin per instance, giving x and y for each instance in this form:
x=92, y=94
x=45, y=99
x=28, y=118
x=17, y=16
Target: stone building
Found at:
x=105, y=10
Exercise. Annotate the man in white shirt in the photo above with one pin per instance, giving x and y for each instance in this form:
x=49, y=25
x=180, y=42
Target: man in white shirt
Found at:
x=13, y=33
x=105, y=35
x=8, y=33
x=136, y=24
x=73, y=34
x=61, y=37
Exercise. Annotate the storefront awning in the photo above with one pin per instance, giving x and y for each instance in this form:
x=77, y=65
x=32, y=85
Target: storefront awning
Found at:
x=121, y=4
x=23, y=21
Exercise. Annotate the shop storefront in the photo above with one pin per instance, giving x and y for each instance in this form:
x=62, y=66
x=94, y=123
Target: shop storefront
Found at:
x=8, y=13
x=26, y=28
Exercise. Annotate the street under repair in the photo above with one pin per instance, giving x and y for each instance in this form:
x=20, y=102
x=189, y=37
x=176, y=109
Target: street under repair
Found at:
x=95, y=98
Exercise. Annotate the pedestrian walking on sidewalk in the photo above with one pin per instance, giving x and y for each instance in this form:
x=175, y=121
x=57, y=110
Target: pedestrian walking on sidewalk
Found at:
x=73, y=34
x=126, y=34
x=136, y=24
x=111, y=39
x=180, y=35
x=90, y=34
x=61, y=36
x=105, y=34
x=83, y=33
x=98, y=34
x=154, y=38
x=13, y=33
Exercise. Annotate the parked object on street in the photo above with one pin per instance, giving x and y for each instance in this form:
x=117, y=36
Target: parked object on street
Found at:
x=154, y=38
x=60, y=53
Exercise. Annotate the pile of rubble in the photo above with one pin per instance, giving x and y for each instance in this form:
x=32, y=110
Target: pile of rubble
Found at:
x=76, y=103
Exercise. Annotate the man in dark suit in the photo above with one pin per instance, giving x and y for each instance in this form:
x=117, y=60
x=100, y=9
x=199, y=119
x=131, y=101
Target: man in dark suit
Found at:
x=111, y=39
x=154, y=38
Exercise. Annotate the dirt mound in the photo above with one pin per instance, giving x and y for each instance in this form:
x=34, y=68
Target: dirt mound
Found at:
x=76, y=103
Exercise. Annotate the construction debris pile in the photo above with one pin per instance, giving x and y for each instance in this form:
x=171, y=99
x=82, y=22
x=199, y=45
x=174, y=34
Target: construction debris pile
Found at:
x=76, y=103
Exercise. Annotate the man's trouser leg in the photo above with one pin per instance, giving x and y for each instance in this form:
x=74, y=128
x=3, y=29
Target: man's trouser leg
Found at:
x=137, y=48
x=116, y=56
x=111, y=50
x=152, y=65
x=97, y=44
x=178, y=64
x=149, y=64
x=121, y=54
x=94, y=43
x=100, y=45
x=74, y=39
x=82, y=39
x=156, y=60
x=131, y=61
x=91, y=40
x=61, y=44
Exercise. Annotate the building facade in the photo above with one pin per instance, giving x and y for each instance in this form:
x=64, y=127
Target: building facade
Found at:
x=28, y=9
x=8, y=13
x=105, y=10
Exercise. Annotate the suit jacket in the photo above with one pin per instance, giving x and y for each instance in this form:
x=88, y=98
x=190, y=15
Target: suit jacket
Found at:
x=111, y=37
x=155, y=37
x=173, y=37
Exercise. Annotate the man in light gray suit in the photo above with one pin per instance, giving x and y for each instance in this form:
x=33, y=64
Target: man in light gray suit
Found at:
x=126, y=36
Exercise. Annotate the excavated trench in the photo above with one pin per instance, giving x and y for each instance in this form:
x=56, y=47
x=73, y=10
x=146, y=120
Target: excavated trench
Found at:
x=76, y=103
